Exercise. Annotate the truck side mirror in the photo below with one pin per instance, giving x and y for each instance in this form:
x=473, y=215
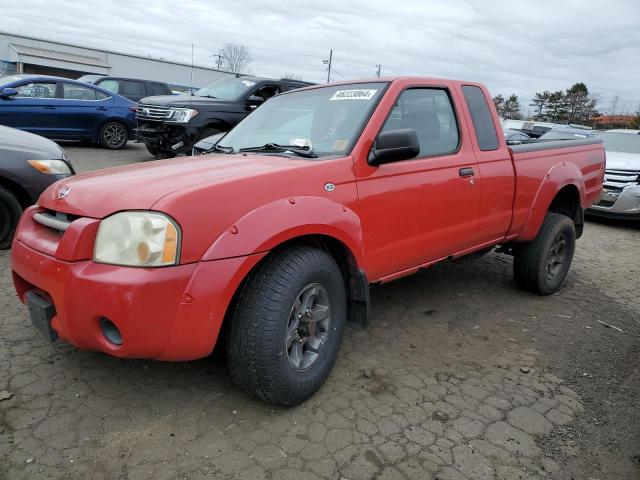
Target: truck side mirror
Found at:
x=253, y=102
x=393, y=146
x=7, y=92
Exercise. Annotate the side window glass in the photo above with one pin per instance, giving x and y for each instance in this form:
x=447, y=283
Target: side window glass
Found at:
x=159, y=89
x=268, y=91
x=101, y=96
x=429, y=112
x=132, y=88
x=481, y=117
x=71, y=91
x=111, y=85
x=37, y=90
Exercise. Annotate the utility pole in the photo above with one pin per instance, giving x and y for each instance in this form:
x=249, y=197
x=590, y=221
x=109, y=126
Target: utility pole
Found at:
x=191, y=65
x=220, y=57
x=379, y=65
x=328, y=62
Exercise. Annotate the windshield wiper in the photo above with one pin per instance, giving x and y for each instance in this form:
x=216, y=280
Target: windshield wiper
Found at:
x=305, y=152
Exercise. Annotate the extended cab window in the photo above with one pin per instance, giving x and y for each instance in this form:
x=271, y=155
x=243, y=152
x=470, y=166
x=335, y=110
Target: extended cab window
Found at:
x=36, y=90
x=481, y=117
x=428, y=111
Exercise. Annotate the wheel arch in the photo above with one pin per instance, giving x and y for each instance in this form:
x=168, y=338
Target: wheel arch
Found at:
x=354, y=276
x=21, y=194
x=561, y=191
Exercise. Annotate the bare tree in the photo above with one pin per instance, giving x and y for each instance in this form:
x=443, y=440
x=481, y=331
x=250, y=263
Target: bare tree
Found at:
x=291, y=76
x=234, y=57
x=613, y=109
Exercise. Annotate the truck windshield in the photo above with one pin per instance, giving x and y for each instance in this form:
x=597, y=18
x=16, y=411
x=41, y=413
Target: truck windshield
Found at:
x=621, y=142
x=324, y=121
x=226, y=88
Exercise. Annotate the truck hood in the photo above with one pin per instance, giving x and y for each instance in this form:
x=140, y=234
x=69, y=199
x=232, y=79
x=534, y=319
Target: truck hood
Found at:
x=140, y=186
x=185, y=101
x=623, y=161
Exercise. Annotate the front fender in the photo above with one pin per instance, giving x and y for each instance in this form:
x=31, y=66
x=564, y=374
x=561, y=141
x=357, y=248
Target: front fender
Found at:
x=559, y=176
x=274, y=223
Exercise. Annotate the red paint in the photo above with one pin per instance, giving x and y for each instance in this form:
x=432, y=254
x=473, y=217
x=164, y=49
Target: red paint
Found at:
x=233, y=209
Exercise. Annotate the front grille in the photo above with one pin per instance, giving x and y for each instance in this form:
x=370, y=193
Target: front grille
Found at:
x=153, y=112
x=616, y=180
x=54, y=220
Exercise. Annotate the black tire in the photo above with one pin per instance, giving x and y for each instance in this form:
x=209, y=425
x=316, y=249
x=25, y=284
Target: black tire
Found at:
x=259, y=359
x=113, y=135
x=159, y=154
x=10, y=211
x=541, y=265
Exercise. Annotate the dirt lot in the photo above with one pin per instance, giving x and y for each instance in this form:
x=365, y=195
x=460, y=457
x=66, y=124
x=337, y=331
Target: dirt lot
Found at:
x=460, y=375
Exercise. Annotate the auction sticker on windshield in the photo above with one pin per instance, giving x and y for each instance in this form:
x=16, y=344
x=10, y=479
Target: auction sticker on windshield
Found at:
x=360, y=94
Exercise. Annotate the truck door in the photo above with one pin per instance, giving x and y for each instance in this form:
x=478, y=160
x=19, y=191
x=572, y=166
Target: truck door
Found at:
x=424, y=209
x=496, y=180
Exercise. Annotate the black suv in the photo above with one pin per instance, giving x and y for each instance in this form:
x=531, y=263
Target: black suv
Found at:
x=172, y=125
x=131, y=88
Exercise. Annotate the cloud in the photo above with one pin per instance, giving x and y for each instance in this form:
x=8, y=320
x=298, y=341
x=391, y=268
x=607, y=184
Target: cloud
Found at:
x=518, y=46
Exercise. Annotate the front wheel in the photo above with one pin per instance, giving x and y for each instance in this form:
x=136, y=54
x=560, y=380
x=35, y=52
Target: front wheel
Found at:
x=287, y=326
x=113, y=136
x=541, y=265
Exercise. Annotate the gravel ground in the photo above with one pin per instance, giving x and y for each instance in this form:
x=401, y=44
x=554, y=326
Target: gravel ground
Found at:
x=459, y=376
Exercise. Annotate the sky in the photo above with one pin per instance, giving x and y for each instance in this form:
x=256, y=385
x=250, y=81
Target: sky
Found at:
x=519, y=47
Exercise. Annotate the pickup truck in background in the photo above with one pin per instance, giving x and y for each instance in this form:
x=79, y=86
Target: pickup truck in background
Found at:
x=620, y=197
x=278, y=235
x=171, y=125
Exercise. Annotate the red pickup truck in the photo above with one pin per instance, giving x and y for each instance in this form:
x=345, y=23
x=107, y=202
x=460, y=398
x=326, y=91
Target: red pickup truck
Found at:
x=270, y=244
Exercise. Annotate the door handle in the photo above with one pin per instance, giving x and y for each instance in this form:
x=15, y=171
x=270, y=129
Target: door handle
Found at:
x=466, y=172
x=101, y=108
x=49, y=107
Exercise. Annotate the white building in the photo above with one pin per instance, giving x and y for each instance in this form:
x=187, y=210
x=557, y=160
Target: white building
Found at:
x=22, y=54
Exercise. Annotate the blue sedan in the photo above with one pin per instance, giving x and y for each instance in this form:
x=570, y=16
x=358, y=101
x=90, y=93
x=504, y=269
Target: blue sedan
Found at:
x=64, y=109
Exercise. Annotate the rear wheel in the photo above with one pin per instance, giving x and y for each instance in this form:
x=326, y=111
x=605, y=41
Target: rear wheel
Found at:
x=10, y=211
x=541, y=265
x=287, y=326
x=113, y=136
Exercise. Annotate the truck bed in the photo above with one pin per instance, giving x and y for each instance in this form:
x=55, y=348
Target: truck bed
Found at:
x=579, y=161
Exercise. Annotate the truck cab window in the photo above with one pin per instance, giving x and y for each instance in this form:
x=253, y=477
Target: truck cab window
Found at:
x=428, y=111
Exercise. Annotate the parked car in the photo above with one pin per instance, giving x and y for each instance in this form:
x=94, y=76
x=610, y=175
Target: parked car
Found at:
x=64, y=109
x=28, y=165
x=621, y=194
x=566, y=132
x=309, y=200
x=514, y=137
x=171, y=125
x=131, y=88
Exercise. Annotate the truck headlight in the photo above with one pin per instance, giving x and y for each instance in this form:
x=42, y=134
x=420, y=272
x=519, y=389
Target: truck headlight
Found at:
x=182, y=115
x=138, y=239
x=50, y=166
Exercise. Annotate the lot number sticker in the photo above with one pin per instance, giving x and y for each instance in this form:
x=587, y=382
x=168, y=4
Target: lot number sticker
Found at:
x=360, y=94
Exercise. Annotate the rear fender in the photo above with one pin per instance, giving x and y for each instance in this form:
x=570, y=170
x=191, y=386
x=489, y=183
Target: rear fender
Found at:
x=558, y=177
x=277, y=222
